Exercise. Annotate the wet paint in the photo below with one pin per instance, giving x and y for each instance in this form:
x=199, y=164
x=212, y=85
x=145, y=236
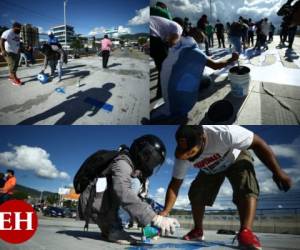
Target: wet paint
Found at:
x=106, y=106
x=60, y=90
x=187, y=246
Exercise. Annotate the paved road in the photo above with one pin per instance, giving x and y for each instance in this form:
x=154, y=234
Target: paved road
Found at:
x=67, y=234
x=87, y=93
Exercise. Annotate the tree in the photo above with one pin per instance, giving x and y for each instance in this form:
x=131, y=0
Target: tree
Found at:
x=52, y=199
x=142, y=40
x=76, y=44
x=20, y=195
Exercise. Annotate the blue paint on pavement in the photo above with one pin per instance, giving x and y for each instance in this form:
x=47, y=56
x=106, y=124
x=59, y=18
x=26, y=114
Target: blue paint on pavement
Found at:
x=103, y=105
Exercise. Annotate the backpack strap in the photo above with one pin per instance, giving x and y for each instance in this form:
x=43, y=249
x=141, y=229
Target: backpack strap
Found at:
x=90, y=204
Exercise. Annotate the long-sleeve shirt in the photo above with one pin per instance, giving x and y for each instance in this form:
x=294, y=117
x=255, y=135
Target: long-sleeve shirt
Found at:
x=121, y=170
x=9, y=185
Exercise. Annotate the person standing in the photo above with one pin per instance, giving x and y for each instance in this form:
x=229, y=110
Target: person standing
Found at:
x=291, y=33
x=220, y=152
x=201, y=24
x=220, y=33
x=251, y=29
x=271, y=33
x=209, y=31
x=164, y=34
x=10, y=49
x=7, y=190
x=235, y=34
x=105, y=48
x=22, y=55
x=265, y=29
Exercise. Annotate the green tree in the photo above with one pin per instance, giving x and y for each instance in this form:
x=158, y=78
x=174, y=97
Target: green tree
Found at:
x=76, y=44
x=52, y=199
x=142, y=40
x=20, y=195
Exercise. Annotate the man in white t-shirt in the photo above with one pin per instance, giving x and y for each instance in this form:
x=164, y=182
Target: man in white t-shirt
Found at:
x=164, y=33
x=219, y=152
x=10, y=49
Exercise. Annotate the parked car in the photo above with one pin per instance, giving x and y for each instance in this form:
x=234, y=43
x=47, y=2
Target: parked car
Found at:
x=70, y=212
x=54, y=212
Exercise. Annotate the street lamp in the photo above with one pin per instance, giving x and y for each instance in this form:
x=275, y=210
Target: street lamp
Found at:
x=65, y=20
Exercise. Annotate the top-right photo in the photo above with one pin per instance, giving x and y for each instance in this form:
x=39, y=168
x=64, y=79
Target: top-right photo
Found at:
x=225, y=62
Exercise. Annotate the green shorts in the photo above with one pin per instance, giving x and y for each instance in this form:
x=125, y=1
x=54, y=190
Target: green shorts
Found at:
x=12, y=60
x=241, y=175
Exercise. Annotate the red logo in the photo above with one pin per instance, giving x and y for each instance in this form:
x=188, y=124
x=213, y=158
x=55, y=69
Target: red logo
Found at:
x=18, y=221
x=207, y=161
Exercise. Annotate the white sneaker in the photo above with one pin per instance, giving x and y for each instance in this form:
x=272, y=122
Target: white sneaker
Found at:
x=121, y=237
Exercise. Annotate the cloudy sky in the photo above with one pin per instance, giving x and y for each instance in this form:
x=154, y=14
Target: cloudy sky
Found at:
x=47, y=158
x=225, y=10
x=89, y=17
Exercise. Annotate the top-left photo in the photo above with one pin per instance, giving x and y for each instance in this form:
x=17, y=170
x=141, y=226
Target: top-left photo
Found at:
x=74, y=62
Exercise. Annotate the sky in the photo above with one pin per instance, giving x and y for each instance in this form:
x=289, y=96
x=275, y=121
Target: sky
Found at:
x=225, y=10
x=47, y=157
x=89, y=17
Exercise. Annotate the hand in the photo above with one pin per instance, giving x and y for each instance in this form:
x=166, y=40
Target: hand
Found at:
x=4, y=53
x=235, y=56
x=163, y=213
x=166, y=224
x=283, y=181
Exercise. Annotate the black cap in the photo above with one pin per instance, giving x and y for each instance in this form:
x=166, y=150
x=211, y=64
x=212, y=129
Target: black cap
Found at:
x=17, y=25
x=187, y=137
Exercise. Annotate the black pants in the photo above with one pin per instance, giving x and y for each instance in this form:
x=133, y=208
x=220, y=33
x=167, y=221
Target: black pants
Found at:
x=159, y=52
x=251, y=37
x=220, y=37
x=292, y=33
x=105, y=56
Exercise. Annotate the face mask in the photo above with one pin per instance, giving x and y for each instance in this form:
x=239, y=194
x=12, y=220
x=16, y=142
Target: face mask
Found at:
x=6, y=175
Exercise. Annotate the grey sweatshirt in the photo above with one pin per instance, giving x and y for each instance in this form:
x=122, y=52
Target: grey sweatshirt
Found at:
x=121, y=169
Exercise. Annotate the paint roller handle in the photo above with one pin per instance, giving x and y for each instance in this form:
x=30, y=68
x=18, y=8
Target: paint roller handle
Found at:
x=235, y=56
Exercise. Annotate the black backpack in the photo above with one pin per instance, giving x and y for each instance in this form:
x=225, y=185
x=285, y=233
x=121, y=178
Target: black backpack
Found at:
x=92, y=168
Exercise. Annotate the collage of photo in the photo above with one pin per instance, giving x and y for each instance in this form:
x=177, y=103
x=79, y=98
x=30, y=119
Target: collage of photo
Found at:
x=150, y=124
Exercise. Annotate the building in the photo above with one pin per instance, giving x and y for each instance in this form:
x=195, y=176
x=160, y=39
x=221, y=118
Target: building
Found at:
x=30, y=35
x=59, y=32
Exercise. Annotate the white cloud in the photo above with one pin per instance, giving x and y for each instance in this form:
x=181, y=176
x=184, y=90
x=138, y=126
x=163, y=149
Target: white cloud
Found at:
x=226, y=11
x=161, y=190
x=124, y=30
x=97, y=31
x=142, y=17
x=33, y=159
x=169, y=161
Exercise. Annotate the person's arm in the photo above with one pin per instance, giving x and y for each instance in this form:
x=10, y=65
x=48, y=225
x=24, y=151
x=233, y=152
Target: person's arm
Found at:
x=121, y=184
x=2, y=41
x=221, y=64
x=9, y=186
x=171, y=195
x=267, y=157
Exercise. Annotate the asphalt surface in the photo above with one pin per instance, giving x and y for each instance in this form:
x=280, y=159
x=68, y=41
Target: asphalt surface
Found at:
x=87, y=94
x=68, y=234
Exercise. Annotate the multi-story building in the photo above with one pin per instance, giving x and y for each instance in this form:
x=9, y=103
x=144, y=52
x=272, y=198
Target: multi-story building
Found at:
x=60, y=31
x=30, y=35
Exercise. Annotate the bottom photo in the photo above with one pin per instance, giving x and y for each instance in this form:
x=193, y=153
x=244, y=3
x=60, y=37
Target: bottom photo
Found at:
x=150, y=187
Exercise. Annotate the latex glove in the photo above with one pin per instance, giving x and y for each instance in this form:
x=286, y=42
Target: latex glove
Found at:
x=166, y=224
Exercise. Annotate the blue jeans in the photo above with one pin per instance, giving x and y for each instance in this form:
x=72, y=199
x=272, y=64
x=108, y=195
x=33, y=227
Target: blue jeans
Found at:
x=236, y=42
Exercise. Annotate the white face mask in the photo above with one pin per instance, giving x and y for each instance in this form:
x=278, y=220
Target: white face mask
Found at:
x=6, y=175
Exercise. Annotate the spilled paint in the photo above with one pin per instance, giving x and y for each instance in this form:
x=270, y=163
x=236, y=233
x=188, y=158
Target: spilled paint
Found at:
x=60, y=90
x=102, y=105
x=187, y=246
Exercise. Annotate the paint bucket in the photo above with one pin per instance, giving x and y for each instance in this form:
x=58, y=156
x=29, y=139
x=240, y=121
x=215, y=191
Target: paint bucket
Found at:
x=220, y=111
x=150, y=232
x=240, y=80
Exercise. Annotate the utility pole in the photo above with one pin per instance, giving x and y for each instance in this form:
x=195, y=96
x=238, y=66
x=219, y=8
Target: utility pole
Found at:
x=210, y=10
x=65, y=20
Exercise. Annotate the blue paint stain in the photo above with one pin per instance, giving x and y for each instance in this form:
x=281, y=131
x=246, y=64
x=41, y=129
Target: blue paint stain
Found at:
x=187, y=246
x=60, y=90
x=99, y=104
